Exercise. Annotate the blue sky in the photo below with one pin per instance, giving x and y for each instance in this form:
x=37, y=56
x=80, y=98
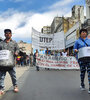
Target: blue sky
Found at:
x=25, y=5
x=22, y=15
x=33, y=5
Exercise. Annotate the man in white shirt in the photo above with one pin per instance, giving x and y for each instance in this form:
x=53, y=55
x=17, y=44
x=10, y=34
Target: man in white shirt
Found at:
x=64, y=53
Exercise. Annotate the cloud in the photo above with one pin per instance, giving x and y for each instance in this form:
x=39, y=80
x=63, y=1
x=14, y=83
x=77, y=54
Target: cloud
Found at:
x=21, y=23
x=61, y=3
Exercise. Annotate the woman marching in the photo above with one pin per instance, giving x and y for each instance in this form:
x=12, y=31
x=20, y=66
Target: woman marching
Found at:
x=83, y=41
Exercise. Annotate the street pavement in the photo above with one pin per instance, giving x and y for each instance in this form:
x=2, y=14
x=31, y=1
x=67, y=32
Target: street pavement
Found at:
x=49, y=85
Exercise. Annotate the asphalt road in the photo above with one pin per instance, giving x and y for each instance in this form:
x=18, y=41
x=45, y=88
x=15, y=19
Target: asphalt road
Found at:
x=49, y=85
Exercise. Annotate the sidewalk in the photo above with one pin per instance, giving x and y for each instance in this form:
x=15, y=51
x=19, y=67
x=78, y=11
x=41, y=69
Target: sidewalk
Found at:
x=19, y=72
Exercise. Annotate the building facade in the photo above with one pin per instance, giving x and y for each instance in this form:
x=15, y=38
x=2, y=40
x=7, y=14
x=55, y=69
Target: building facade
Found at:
x=86, y=24
x=88, y=9
x=64, y=24
x=71, y=36
x=55, y=23
x=46, y=30
x=78, y=13
x=25, y=47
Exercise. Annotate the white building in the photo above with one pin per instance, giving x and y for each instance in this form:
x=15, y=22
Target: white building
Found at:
x=88, y=9
x=86, y=24
x=55, y=23
x=78, y=13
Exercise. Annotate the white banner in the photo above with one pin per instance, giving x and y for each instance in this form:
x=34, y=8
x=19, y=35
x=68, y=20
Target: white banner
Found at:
x=4, y=54
x=52, y=41
x=53, y=62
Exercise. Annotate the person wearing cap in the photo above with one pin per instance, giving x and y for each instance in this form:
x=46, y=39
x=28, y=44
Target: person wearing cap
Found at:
x=83, y=41
x=8, y=44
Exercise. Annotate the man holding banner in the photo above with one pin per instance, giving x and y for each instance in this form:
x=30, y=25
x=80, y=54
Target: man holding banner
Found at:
x=83, y=41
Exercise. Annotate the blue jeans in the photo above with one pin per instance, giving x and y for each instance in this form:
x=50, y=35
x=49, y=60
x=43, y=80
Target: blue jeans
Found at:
x=12, y=73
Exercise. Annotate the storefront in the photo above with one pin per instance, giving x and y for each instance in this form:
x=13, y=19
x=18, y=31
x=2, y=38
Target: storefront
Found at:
x=71, y=36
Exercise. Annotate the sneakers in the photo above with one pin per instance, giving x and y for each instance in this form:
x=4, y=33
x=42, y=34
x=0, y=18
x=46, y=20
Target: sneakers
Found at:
x=82, y=88
x=1, y=92
x=16, y=89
